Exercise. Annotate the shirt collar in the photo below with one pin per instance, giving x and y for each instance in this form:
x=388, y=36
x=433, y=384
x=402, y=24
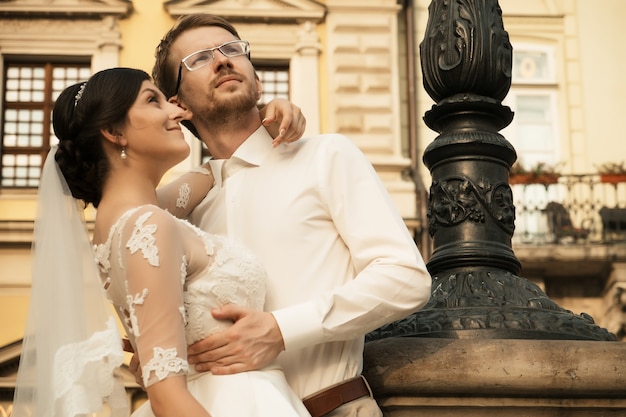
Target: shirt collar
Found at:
x=254, y=149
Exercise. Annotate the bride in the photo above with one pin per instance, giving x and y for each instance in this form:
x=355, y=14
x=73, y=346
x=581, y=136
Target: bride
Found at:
x=118, y=135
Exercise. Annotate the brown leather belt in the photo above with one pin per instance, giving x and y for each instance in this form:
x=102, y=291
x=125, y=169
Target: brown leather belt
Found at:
x=325, y=401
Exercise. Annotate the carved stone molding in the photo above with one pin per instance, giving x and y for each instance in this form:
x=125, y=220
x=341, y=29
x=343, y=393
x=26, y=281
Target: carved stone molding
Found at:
x=48, y=36
x=65, y=8
x=85, y=28
x=57, y=27
x=251, y=10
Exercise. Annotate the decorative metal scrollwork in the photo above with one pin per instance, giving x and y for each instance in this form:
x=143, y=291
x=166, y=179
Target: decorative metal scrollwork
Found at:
x=457, y=199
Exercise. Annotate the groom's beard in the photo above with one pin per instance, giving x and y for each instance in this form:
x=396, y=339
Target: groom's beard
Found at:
x=228, y=107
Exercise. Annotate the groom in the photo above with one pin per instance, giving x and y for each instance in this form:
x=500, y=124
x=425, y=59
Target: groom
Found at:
x=339, y=257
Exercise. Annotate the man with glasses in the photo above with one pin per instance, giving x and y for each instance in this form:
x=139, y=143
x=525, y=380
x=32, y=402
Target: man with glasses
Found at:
x=339, y=257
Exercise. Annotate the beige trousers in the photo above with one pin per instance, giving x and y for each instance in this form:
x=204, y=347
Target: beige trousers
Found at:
x=361, y=407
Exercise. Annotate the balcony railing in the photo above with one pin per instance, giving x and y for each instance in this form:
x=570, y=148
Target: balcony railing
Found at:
x=575, y=209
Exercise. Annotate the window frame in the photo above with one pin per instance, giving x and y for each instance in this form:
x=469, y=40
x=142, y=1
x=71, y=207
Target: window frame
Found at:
x=546, y=87
x=88, y=33
x=550, y=53
x=49, y=91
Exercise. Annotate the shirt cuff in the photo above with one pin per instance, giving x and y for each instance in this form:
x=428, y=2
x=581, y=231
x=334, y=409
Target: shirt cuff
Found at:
x=300, y=326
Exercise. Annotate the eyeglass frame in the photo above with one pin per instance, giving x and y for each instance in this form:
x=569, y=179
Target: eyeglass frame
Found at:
x=212, y=50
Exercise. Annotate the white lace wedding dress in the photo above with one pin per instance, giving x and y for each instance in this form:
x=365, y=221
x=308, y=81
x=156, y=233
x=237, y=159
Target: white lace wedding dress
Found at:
x=163, y=276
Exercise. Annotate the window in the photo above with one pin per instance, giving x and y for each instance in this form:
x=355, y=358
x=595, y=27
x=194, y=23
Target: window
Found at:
x=533, y=98
x=30, y=90
x=533, y=132
x=275, y=80
x=533, y=65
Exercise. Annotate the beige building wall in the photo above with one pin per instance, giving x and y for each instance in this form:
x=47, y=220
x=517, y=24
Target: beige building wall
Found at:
x=603, y=87
x=141, y=33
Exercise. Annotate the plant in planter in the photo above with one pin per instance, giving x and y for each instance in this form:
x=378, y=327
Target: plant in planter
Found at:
x=540, y=173
x=612, y=172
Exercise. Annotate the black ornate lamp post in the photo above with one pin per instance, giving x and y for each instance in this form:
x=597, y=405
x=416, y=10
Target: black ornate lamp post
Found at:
x=466, y=61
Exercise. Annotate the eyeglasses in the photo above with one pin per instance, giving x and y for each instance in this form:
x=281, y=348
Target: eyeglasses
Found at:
x=204, y=57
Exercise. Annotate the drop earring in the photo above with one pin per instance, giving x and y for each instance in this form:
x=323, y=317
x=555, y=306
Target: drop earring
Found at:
x=123, y=154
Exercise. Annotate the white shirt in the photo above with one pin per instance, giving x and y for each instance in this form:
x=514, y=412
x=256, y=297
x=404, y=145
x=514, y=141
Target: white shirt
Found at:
x=339, y=257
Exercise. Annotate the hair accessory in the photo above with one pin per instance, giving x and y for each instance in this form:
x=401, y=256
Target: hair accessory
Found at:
x=79, y=95
x=123, y=155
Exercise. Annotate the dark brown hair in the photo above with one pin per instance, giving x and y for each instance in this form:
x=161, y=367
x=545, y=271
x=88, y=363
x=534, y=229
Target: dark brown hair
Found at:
x=103, y=103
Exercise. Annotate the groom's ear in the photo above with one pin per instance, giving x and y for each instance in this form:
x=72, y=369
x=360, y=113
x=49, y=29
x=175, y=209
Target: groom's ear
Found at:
x=259, y=86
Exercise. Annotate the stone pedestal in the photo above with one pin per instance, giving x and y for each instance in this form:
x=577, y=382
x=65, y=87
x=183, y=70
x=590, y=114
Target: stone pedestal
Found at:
x=483, y=378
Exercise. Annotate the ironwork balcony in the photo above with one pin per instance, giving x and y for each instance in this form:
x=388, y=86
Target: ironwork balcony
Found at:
x=582, y=209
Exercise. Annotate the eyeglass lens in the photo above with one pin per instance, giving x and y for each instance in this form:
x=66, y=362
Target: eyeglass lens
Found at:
x=201, y=58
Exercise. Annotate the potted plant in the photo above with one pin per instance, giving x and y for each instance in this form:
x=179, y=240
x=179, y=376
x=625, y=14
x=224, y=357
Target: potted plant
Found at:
x=540, y=173
x=612, y=172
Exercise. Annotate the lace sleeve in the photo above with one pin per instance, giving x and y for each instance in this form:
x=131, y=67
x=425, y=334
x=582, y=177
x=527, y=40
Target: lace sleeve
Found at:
x=152, y=257
x=183, y=194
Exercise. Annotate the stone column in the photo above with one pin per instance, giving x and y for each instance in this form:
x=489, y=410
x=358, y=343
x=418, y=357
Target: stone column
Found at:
x=109, y=45
x=304, y=76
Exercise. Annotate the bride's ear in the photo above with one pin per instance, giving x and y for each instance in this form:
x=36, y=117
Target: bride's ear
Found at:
x=112, y=136
x=187, y=114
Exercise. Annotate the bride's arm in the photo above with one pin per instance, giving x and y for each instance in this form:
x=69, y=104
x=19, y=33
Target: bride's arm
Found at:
x=152, y=271
x=183, y=194
x=282, y=119
x=171, y=397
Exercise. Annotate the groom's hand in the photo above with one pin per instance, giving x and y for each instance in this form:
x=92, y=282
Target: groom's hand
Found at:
x=251, y=343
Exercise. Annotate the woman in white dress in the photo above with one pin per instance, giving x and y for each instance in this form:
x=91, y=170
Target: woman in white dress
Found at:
x=118, y=135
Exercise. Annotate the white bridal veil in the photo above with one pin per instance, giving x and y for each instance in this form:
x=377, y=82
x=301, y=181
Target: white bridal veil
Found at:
x=71, y=347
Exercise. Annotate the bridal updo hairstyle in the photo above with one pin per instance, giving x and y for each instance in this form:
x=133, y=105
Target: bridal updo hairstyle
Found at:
x=78, y=118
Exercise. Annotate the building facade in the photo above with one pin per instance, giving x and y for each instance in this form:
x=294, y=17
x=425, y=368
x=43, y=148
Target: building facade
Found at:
x=353, y=67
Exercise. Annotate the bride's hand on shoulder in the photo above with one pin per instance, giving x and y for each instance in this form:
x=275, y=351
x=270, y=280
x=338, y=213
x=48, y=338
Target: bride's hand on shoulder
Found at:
x=283, y=120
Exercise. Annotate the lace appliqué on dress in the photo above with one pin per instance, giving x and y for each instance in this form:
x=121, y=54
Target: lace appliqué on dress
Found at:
x=132, y=301
x=102, y=253
x=142, y=238
x=89, y=363
x=207, y=240
x=234, y=277
x=163, y=363
x=184, y=193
